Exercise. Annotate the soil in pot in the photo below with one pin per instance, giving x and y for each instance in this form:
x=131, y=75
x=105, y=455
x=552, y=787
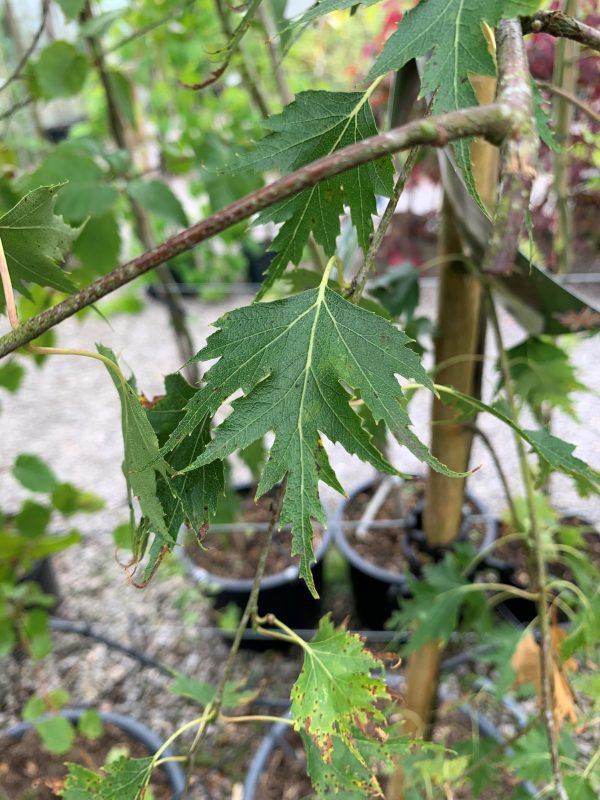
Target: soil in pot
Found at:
x=231, y=563
x=399, y=549
x=384, y=555
x=511, y=560
x=285, y=776
x=235, y=554
x=29, y=772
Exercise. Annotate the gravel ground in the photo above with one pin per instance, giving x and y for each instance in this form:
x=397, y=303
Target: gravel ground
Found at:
x=67, y=412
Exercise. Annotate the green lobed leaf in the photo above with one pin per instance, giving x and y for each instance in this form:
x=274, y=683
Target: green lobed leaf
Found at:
x=11, y=376
x=32, y=519
x=71, y=8
x=542, y=120
x=124, y=779
x=542, y=373
x=432, y=609
x=60, y=70
x=57, y=734
x=300, y=361
x=34, y=474
x=558, y=456
x=316, y=124
x=192, y=497
x=157, y=197
x=99, y=244
x=90, y=724
x=347, y=776
x=203, y=693
x=323, y=7
x=452, y=32
x=335, y=693
x=555, y=454
x=141, y=458
x=36, y=240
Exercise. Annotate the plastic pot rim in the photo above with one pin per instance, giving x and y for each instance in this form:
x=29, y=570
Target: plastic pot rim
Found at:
x=395, y=578
x=218, y=583
x=136, y=730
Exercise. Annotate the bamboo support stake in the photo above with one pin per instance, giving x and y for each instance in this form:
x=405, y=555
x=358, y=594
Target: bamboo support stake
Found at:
x=460, y=333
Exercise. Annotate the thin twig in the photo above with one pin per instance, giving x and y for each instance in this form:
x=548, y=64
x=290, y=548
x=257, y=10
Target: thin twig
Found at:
x=571, y=98
x=500, y=470
x=546, y=665
x=492, y=121
x=561, y=25
x=34, y=42
x=519, y=151
x=17, y=107
x=249, y=78
x=151, y=26
x=272, y=42
x=358, y=282
x=232, y=46
x=213, y=709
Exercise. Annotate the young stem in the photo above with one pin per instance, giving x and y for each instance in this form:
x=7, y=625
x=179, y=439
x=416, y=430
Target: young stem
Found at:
x=213, y=709
x=256, y=718
x=546, y=666
x=357, y=286
x=565, y=78
x=249, y=78
x=501, y=474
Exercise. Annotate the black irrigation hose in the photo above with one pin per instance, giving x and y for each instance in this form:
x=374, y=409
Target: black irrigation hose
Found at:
x=83, y=629
x=86, y=630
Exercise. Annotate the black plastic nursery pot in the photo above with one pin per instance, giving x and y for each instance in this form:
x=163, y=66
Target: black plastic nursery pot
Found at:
x=283, y=594
x=519, y=610
x=378, y=592
x=44, y=574
x=134, y=730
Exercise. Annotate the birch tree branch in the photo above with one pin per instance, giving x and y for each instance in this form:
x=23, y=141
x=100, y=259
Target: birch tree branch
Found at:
x=562, y=25
x=493, y=122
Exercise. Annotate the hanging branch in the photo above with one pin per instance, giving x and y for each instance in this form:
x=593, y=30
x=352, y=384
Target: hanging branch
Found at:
x=34, y=43
x=247, y=73
x=492, y=122
x=232, y=46
x=570, y=98
x=561, y=25
x=519, y=150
